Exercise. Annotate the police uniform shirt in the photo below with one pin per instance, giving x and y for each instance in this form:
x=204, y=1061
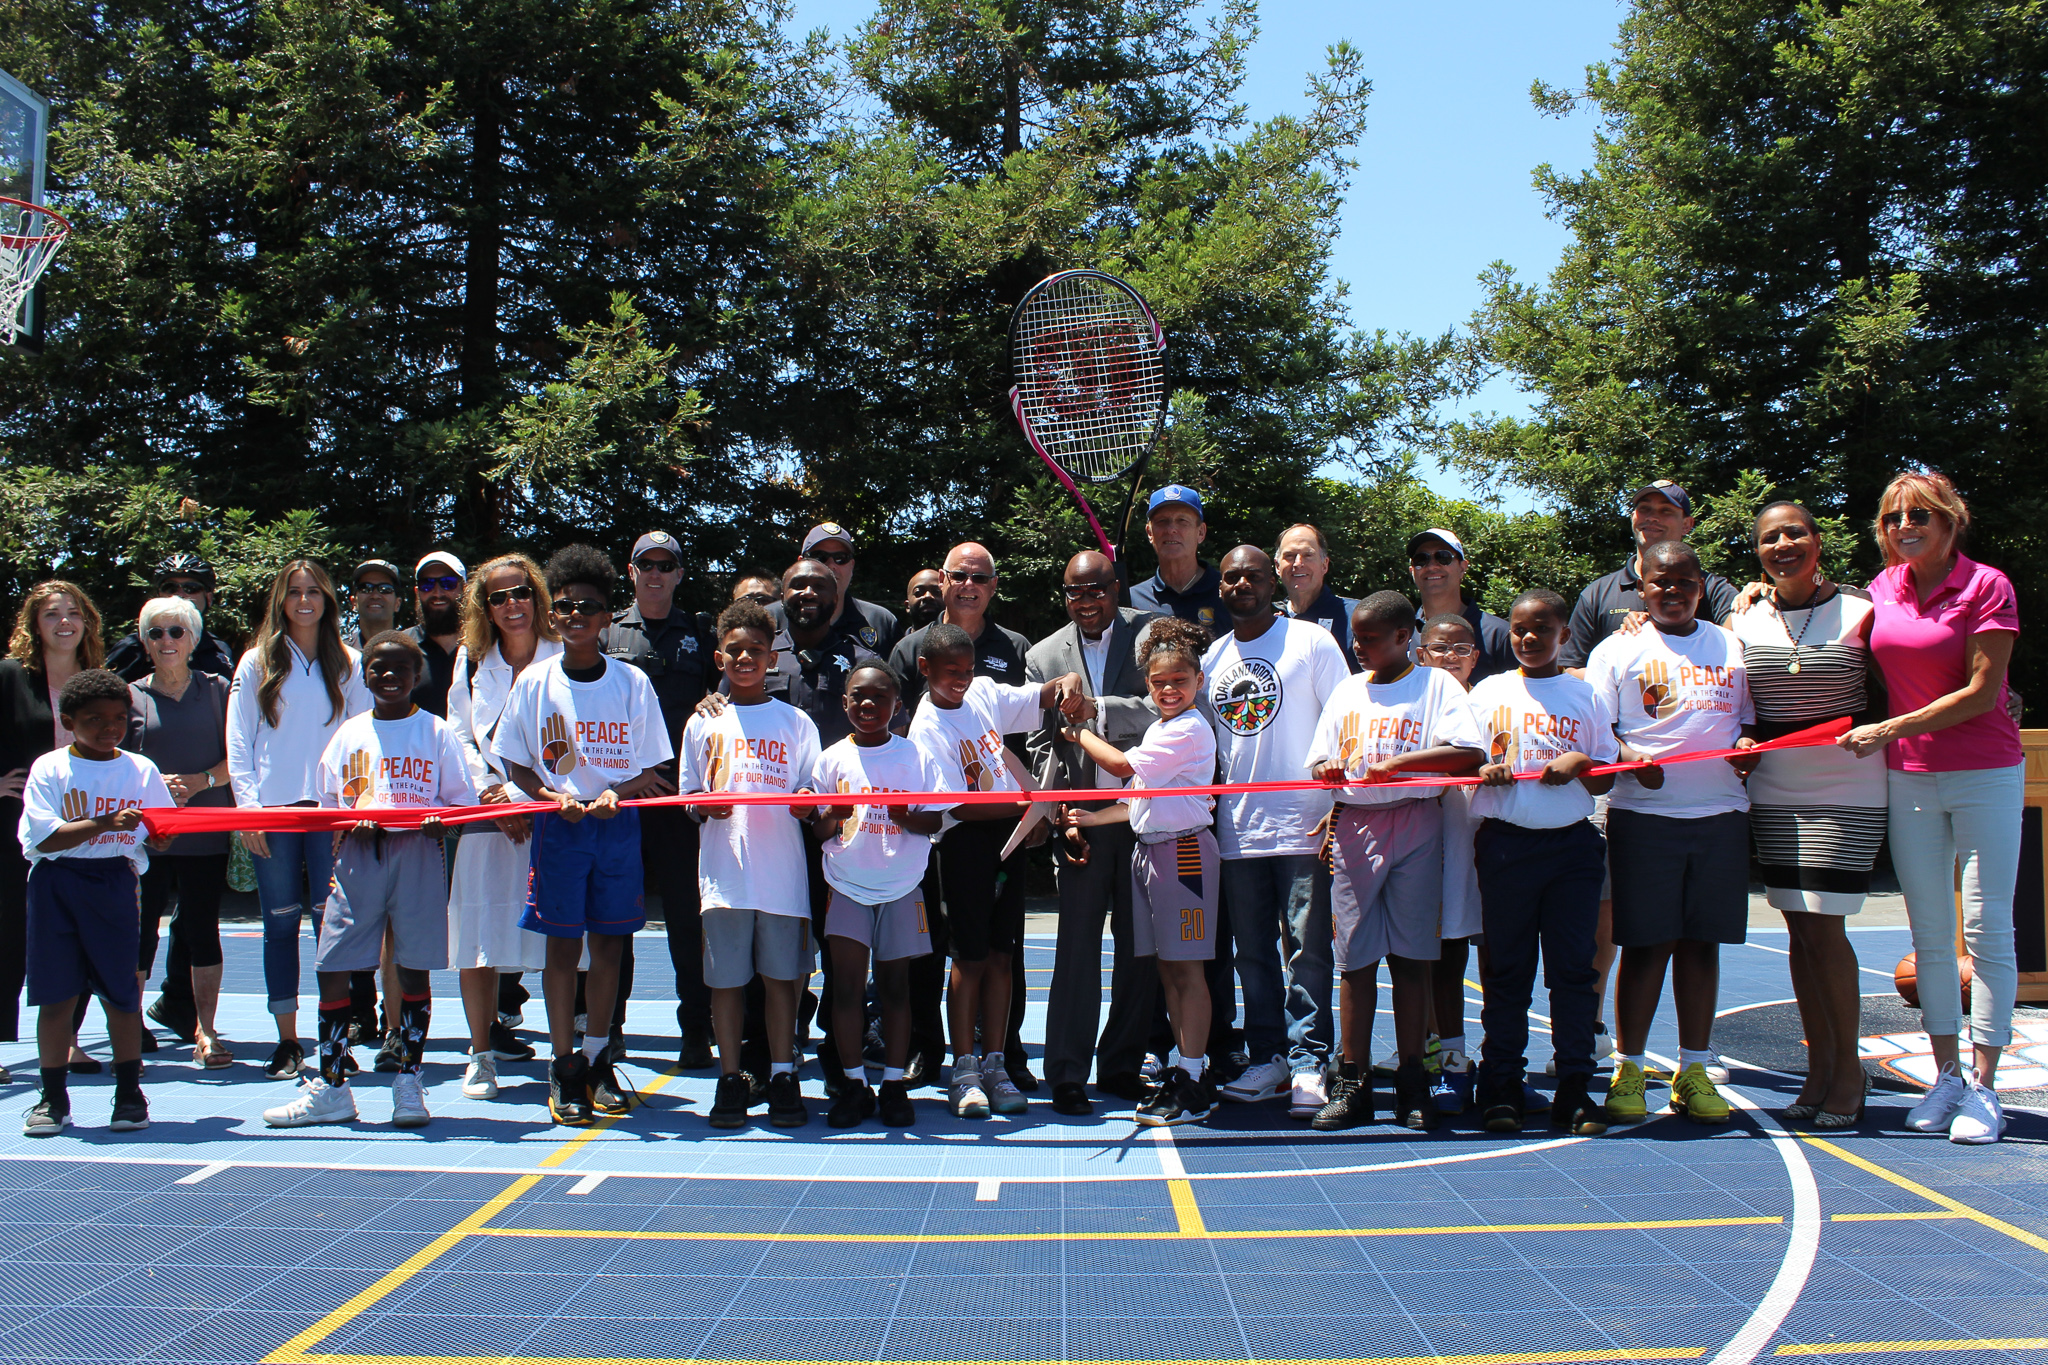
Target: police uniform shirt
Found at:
x=874, y=626
x=1201, y=603
x=1332, y=613
x=1607, y=601
x=674, y=652
x=431, y=695
x=814, y=680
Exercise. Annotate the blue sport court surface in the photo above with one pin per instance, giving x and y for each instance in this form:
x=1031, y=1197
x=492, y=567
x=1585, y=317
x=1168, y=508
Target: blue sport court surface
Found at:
x=491, y=1236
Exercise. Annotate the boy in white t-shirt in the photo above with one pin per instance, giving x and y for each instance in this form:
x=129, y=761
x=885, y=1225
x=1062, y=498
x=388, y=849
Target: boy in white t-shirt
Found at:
x=81, y=809
x=1678, y=842
x=1448, y=642
x=585, y=734
x=1540, y=862
x=875, y=859
x=961, y=725
x=1385, y=848
x=752, y=879
x=393, y=756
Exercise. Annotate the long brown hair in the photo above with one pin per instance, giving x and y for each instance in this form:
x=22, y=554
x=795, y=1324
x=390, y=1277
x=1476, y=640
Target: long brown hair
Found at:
x=26, y=644
x=273, y=642
x=479, y=631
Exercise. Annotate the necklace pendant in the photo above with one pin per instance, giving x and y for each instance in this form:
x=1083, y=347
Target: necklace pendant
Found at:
x=1793, y=667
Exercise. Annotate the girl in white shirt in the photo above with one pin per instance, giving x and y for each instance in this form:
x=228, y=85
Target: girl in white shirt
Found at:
x=291, y=692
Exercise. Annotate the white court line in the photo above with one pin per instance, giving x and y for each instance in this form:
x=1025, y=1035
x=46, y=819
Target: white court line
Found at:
x=1766, y=948
x=1800, y=1251
x=206, y=1172
x=987, y=1191
x=589, y=1182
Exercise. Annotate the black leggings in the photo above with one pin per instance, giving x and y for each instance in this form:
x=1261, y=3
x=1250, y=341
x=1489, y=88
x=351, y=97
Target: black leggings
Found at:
x=198, y=882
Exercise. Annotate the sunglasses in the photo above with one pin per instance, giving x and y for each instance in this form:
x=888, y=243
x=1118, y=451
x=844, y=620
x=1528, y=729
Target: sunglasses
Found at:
x=841, y=557
x=1919, y=516
x=185, y=587
x=1440, y=557
x=1084, y=592
x=759, y=599
x=374, y=589
x=652, y=565
x=962, y=576
x=445, y=583
x=579, y=606
x=522, y=593
x=1450, y=651
x=159, y=632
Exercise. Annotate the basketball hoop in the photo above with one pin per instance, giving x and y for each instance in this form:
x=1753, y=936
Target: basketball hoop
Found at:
x=29, y=237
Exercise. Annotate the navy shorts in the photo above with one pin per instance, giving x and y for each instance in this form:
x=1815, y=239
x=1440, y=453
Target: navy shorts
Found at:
x=584, y=876
x=84, y=931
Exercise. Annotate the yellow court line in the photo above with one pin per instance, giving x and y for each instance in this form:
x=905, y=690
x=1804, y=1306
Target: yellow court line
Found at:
x=1955, y=1206
x=1491, y=1358
x=1209, y=1234
x=1872, y=1348
x=1928, y=1216
x=1186, y=1209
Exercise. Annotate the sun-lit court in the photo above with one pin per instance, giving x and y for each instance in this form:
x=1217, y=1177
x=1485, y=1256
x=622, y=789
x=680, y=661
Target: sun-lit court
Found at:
x=493, y=1236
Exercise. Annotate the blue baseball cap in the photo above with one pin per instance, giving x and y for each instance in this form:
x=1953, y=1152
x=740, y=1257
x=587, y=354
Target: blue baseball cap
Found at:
x=1665, y=489
x=1175, y=492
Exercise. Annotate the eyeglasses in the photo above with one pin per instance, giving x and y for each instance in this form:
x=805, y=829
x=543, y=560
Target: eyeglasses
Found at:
x=1919, y=516
x=759, y=599
x=1440, y=557
x=445, y=583
x=1450, y=651
x=840, y=557
x=1085, y=592
x=374, y=589
x=581, y=606
x=653, y=565
x=185, y=587
x=962, y=576
x=499, y=598
x=159, y=632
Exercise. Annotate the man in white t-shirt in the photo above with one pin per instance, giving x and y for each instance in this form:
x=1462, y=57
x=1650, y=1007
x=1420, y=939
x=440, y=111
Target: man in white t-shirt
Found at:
x=1678, y=842
x=1266, y=684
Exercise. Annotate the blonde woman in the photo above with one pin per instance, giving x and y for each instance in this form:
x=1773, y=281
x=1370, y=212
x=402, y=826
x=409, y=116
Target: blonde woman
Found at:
x=506, y=626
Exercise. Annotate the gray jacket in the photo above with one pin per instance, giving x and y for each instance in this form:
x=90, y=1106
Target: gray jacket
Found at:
x=1125, y=706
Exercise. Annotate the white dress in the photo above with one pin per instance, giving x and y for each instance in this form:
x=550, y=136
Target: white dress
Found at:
x=488, y=893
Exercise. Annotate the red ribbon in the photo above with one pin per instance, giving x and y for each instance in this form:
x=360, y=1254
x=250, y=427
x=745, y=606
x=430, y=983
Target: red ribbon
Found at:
x=169, y=820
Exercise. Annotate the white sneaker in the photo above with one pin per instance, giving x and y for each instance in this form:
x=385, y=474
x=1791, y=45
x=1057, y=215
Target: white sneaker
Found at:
x=512, y=1018
x=318, y=1102
x=1604, y=1055
x=965, y=1099
x=1310, y=1095
x=1717, y=1070
x=1981, y=1118
x=408, y=1104
x=480, y=1082
x=1003, y=1095
x=1934, y=1113
x=1152, y=1068
x=1261, y=1082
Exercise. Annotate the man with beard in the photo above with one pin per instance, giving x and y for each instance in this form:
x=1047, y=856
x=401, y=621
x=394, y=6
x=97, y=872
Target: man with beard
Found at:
x=874, y=626
x=925, y=599
x=437, y=597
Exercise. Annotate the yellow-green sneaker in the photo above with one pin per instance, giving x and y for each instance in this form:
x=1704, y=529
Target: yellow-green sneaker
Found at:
x=1693, y=1095
x=1625, y=1095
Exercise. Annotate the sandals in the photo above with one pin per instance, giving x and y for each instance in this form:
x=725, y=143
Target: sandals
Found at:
x=1830, y=1122
x=212, y=1056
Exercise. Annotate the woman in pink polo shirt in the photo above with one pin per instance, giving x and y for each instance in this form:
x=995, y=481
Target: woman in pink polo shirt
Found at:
x=1943, y=634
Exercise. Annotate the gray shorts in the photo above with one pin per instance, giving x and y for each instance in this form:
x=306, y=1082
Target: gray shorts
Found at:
x=1173, y=898
x=1676, y=878
x=739, y=943
x=890, y=932
x=1386, y=882
x=403, y=884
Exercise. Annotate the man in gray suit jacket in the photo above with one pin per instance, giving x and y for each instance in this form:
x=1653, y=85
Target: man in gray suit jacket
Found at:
x=1099, y=644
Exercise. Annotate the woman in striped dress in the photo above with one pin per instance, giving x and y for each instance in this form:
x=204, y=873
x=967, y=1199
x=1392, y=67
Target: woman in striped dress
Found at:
x=1816, y=816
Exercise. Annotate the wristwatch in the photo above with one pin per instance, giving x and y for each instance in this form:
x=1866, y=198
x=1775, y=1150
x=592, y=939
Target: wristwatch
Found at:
x=209, y=779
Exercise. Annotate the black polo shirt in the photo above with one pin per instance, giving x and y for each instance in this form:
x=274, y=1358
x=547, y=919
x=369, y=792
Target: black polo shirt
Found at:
x=1201, y=603
x=675, y=654
x=210, y=654
x=1496, y=655
x=873, y=625
x=1332, y=613
x=814, y=680
x=998, y=654
x=432, y=692
x=1607, y=601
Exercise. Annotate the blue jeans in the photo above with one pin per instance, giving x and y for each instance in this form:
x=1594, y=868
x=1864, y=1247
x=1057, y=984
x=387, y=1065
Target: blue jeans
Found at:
x=1283, y=899
x=296, y=862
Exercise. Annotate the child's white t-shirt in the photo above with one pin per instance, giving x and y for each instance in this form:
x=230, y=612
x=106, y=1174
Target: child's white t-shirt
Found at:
x=63, y=787
x=1369, y=722
x=1263, y=698
x=1526, y=723
x=754, y=858
x=1174, y=753
x=416, y=761
x=1675, y=694
x=967, y=742
x=873, y=860
x=582, y=737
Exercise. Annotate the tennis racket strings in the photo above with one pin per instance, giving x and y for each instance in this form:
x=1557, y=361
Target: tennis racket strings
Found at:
x=1091, y=376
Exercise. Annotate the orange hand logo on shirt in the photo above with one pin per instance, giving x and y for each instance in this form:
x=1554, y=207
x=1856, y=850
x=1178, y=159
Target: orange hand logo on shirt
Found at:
x=1350, y=743
x=1506, y=747
x=972, y=769
x=77, y=805
x=557, y=752
x=1658, y=700
x=355, y=777
x=717, y=763
x=850, y=826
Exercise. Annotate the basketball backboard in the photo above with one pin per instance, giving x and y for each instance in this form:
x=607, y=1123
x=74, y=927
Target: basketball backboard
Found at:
x=24, y=138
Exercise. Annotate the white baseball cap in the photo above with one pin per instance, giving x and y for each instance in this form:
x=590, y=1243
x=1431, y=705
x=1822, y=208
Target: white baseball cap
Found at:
x=440, y=557
x=1449, y=538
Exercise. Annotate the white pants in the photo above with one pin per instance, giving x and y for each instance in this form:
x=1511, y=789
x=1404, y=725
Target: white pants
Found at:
x=1936, y=818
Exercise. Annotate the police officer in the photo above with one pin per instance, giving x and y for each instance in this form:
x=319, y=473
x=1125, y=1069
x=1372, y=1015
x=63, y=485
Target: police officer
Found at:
x=190, y=577
x=874, y=626
x=673, y=648
x=1658, y=511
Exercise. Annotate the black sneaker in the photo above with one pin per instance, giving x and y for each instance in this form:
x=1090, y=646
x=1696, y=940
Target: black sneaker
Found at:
x=1573, y=1108
x=786, y=1101
x=362, y=1025
x=922, y=1069
x=615, y=1049
x=1018, y=1065
x=1413, y=1107
x=608, y=1095
x=391, y=1056
x=569, y=1090
x=349, y=1065
x=1071, y=1097
x=149, y=1042
x=1179, y=1098
x=182, y=1024
x=1233, y=1063
x=1500, y=1107
x=508, y=1046
x=286, y=1062
x=729, y=1107
x=895, y=1106
x=695, y=1052
x=46, y=1118
x=835, y=1080
x=855, y=1103
x=1349, y=1105
x=131, y=1112
x=757, y=1084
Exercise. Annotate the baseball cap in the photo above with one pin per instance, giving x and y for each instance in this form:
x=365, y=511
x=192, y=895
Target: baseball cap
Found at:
x=440, y=557
x=382, y=566
x=1449, y=538
x=1666, y=489
x=827, y=530
x=655, y=540
x=1174, y=492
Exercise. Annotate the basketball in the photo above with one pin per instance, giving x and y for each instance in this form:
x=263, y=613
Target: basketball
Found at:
x=1906, y=976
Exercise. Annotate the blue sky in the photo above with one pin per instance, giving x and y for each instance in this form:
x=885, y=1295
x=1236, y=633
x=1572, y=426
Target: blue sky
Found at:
x=1443, y=180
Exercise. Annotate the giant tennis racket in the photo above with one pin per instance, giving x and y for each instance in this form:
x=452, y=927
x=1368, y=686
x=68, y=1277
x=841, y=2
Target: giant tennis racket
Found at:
x=1090, y=363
